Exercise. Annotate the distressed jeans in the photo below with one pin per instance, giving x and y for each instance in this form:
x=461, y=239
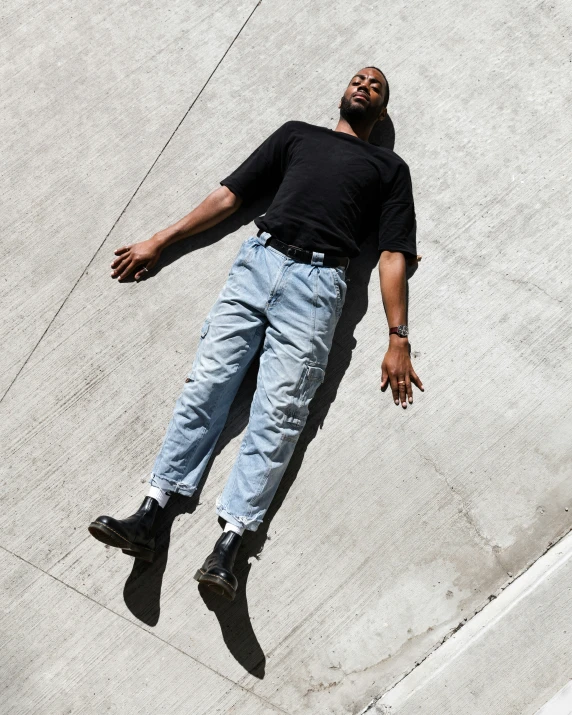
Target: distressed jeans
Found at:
x=290, y=309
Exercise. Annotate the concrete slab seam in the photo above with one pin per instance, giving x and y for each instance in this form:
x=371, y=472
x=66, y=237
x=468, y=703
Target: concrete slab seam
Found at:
x=150, y=633
x=377, y=708
x=98, y=249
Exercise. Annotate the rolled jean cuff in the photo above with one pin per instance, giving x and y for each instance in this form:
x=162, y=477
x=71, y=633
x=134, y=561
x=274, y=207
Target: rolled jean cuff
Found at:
x=169, y=485
x=247, y=523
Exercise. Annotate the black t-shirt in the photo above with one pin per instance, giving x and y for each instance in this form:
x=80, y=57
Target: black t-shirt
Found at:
x=333, y=189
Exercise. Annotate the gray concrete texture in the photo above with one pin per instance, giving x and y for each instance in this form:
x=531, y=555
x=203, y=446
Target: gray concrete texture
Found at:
x=391, y=526
x=507, y=659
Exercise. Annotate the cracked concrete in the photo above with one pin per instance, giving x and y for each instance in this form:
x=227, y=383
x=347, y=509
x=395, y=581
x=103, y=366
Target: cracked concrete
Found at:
x=393, y=527
x=495, y=549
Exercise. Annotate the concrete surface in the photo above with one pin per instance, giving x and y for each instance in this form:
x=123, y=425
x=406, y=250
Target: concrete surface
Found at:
x=391, y=527
x=560, y=704
x=507, y=659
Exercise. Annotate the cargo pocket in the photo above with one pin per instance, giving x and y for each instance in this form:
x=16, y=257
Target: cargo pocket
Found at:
x=341, y=288
x=311, y=378
x=204, y=330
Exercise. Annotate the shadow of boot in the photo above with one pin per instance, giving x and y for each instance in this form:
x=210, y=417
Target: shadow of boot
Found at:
x=234, y=619
x=142, y=590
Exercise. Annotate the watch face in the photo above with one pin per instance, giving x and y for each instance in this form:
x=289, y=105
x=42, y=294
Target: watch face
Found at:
x=403, y=331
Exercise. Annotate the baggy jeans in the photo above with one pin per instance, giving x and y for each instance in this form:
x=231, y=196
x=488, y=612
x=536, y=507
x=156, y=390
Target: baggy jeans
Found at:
x=290, y=309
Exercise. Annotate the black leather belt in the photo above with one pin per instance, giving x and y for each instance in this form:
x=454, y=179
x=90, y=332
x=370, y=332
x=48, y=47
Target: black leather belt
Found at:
x=301, y=254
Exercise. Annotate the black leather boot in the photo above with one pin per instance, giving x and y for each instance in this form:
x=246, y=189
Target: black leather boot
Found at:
x=134, y=535
x=216, y=572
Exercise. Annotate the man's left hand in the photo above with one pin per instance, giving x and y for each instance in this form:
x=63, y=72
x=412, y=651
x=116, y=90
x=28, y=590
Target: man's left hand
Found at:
x=397, y=371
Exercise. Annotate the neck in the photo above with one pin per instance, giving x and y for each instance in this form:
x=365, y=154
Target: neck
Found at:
x=361, y=130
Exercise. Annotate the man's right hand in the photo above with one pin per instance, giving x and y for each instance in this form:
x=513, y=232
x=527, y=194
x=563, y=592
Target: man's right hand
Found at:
x=143, y=255
x=218, y=205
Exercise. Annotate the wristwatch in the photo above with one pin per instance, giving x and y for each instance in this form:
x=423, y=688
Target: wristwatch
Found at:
x=401, y=330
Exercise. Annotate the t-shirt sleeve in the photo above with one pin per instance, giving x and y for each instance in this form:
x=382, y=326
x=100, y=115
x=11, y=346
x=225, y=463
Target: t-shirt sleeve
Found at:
x=263, y=170
x=397, y=223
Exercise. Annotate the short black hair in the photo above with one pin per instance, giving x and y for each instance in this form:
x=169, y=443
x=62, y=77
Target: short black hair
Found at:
x=386, y=98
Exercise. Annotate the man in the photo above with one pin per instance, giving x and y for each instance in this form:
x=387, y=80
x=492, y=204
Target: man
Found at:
x=284, y=293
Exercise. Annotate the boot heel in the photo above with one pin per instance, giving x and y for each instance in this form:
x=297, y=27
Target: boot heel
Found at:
x=216, y=584
x=216, y=572
x=144, y=554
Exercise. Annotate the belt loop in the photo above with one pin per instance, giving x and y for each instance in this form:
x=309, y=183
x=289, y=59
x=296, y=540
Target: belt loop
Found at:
x=264, y=235
x=317, y=259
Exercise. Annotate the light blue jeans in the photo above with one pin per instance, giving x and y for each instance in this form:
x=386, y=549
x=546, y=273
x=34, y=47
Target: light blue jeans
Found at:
x=292, y=309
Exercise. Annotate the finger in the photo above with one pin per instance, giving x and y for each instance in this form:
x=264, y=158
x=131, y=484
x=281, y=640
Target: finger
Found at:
x=123, y=249
x=143, y=273
x=125, y=271
x=416, y=380
x=149, y=266
x=394, y=388
x=408, y=389
x=402, y=392
x=384, y=376
x=120, y=266
x=117, y=261
x=122, y=259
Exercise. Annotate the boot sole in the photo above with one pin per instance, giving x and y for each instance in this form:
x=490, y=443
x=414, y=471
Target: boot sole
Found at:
x=216, y=584
x=112, y=538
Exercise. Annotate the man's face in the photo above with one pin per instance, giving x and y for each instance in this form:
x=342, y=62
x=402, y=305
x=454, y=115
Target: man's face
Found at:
x=363, y=99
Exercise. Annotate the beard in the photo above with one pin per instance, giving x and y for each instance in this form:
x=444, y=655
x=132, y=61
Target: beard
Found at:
x=354, y=111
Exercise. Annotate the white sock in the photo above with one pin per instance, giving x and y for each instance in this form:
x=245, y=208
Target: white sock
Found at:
x=158, y=494
x=231, y=527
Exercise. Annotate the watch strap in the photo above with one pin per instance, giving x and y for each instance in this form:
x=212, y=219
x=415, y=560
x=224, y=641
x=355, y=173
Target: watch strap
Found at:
x=401, y=330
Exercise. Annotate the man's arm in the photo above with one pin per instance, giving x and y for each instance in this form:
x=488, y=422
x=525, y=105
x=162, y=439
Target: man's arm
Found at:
x=396, y=366
x=217, y=206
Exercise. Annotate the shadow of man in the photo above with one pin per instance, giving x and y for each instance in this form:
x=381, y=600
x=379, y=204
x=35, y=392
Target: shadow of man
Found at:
x=143, y=587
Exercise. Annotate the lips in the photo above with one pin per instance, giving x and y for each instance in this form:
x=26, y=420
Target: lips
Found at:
x=356, y=95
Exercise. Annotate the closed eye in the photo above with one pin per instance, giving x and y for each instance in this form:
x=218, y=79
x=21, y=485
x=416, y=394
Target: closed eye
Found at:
x=374, y=84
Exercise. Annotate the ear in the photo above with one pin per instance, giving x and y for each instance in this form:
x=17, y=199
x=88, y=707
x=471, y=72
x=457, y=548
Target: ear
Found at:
x=382, y=115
